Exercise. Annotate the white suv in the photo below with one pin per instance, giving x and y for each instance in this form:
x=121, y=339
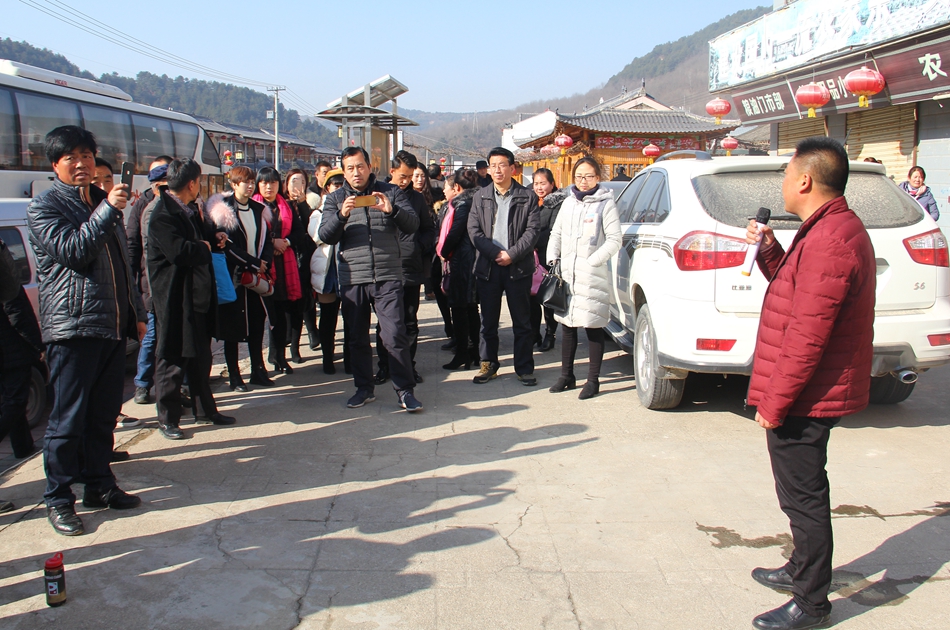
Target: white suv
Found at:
x=681, y=303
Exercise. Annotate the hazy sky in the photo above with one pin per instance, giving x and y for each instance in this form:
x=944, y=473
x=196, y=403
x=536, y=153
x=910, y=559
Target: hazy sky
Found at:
x=453, y=56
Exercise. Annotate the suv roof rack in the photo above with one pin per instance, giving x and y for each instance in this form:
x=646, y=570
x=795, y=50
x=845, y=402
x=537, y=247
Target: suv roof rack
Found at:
x=676, y=155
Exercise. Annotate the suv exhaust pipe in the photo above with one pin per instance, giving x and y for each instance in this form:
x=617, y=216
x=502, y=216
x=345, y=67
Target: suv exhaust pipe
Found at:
x=906, y=376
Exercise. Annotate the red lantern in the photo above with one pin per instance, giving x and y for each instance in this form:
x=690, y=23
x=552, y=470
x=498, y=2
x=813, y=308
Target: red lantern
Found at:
x=441, y=160
x=864, y=83
x=651, y=151
x=812, y=96
x=549, y=149
x=718, y=107
x=565, y=142
x=730, y=144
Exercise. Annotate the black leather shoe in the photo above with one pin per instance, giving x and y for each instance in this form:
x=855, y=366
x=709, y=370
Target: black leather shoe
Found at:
x=113, y=498
x=64, y=520
x=547, y=343
x=120, y=456
x=789, y=617
x=171, y=432
x=237, y=384
x=6, y=506
x=381, y=376
x=215, y=418
x=418, y=377
x=779, y=579
x=283, y=367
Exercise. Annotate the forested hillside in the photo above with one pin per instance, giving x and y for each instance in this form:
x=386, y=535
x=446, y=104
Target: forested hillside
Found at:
x=221, y=101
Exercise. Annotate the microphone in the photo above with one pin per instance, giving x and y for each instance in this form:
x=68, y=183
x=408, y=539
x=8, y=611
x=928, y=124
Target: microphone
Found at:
x=761, y=219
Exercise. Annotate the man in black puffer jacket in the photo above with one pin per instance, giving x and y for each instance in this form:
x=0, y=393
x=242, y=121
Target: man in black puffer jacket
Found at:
x=369, y=263
x=88, y=306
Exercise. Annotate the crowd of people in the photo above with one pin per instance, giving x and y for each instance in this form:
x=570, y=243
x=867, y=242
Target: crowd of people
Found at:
x=277, y=255
x=276, y=248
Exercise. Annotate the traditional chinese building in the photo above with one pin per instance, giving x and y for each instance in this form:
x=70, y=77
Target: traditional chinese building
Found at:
x=761, y=66
x=615, y=132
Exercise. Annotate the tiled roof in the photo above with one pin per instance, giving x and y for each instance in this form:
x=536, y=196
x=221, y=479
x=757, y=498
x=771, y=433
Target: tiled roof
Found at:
x=646, y=122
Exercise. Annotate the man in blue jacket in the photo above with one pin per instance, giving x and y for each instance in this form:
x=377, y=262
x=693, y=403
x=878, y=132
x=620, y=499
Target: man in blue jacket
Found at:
x=371, y=274
x=88, y=306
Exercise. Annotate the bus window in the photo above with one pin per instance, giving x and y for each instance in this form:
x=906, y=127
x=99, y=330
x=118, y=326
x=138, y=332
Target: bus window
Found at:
x=113, y=132
x=209, y=155
x=186, y=139
x=153, y=137
x=8, y=157
x=38, y=116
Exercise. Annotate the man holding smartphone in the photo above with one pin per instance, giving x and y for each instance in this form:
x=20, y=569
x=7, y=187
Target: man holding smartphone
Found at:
x=88, y=306
x=367, y=218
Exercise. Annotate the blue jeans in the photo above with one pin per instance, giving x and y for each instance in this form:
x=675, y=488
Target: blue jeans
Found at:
x=145, y=376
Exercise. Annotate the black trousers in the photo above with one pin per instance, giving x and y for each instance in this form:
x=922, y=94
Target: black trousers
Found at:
x=329, y=317
x=550, y=324
x=86, y=376
x=441, y=298
x=255, y=337
x=169, y=373
x=799, y=453
x=465, y=320
x=358, y=302
x=410, y=316
x=284, y=315
x=518, y=294
x=14, y=395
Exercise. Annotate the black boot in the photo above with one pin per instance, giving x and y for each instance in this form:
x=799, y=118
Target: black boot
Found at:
x=547, y=343
x=259, y=374
x=236, y=382
x=295, y=346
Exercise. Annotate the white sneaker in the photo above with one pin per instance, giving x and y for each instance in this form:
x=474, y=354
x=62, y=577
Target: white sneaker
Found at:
x=125, y=421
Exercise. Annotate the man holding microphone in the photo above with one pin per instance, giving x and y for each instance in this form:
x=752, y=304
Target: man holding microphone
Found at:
x=812, y=364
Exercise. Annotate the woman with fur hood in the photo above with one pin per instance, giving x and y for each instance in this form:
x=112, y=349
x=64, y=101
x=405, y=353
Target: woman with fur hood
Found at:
x=585, y=236
x=248, y=248
x=550, y=200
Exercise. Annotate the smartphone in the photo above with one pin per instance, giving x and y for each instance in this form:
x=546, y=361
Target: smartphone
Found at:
x=363, y=201
x=127, y=171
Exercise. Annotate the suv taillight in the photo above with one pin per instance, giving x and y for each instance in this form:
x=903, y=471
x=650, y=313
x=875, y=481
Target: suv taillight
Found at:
x=699, y=251
x=929, y=248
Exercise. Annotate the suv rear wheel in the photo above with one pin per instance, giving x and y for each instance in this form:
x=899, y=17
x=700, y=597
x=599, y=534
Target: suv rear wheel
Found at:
x=889, y=390
x=654, y=392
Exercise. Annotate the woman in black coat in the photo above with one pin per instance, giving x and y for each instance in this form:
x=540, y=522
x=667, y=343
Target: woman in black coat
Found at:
x=456, y=247
x=288, y=235
x=248, y=248
x=550, y=199
x=295, y=191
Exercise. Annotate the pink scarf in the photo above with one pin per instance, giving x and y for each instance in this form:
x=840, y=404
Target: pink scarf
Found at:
x=291, y=273
x=444, y=228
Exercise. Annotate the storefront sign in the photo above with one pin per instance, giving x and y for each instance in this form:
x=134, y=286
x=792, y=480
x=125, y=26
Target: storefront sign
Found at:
x=610, y=141
x=811, y=29
x=913, y=71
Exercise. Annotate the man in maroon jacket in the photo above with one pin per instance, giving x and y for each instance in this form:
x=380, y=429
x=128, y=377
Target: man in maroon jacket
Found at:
x=812, y=364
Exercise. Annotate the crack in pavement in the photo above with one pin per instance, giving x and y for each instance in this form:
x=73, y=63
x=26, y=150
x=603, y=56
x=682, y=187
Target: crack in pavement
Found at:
x=512, y=533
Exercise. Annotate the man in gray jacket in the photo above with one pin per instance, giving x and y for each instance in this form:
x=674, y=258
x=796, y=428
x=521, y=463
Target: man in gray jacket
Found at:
x=88, y=306
x=366, y=218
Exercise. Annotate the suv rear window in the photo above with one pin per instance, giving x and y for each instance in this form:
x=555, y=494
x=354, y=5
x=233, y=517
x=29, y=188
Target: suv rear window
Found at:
x=732, y=198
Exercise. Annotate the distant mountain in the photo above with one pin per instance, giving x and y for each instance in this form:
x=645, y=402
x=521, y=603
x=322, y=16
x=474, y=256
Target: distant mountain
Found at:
x=221, y=101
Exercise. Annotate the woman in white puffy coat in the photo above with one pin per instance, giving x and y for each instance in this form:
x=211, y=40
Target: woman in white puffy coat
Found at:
x=585, y=236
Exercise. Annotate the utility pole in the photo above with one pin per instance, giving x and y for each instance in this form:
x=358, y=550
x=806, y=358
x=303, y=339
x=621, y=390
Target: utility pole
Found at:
x=276, y=90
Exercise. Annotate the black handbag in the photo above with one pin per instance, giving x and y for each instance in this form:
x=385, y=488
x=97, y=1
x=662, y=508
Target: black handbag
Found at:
x=553, y=292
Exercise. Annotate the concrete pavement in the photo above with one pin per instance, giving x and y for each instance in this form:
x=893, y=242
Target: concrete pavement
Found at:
x=499, y=506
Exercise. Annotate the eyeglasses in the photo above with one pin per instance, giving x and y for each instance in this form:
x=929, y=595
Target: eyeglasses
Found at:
x=586, y=178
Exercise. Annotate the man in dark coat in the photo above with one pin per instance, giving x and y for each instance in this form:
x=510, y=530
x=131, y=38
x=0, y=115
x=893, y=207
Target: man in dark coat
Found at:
x=370, y=270
x=135, y=229
x=504, y=225
x=184, y=296
x=88, y=307
x=415, y=247
x=812, y=364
